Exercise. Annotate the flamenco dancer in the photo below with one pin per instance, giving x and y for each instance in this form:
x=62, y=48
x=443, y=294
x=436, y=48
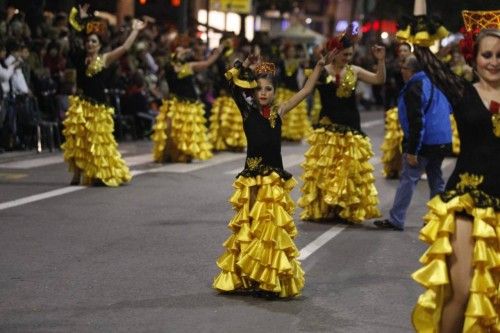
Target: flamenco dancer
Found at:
x=296, y=123
x=180, y=133
x=90, y=148
x=338, y=177
x=461, y=267
x=260, y=254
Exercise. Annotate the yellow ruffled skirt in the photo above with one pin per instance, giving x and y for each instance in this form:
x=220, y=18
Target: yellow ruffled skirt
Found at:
x=90, y=145
x=179, y=132
x=391, y=146
x=295, y=123
x=483, y=308
x=260, y=254
x=455, y=140
x=226, y=125
x=338, y=177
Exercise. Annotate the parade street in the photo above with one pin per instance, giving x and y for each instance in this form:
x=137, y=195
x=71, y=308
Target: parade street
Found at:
x=141, y=257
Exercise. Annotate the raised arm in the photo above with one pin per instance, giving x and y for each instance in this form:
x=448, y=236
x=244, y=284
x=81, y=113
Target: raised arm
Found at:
x=76, y=15
x=379, y=76
x=241, y=81
x=197, y=66
x=76, y=21
x=306, y=90
x=115, y=54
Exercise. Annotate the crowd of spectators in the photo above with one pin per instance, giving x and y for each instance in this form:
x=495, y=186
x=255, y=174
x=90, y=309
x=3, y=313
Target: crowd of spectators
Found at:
x=37, y=76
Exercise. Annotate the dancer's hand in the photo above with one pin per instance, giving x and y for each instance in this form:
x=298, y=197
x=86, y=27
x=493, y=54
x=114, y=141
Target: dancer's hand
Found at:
x=251, y=60
x=138, y=25
x=412, y=159
x=83, y=10
x=330, y=55
x=378, y=52
x=321, y=62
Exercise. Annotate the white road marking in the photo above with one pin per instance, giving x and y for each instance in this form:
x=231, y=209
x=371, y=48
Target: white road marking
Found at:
x=175, y=168
x=33, y=163
x=196, y=165
x=41, y=196
x=138, y=159
x=55, y=159
x=320, y=241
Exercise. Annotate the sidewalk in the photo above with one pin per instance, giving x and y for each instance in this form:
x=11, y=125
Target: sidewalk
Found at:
x=9, y=156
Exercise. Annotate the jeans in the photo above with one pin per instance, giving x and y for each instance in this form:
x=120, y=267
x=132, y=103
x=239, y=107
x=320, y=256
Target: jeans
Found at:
x=409, y=179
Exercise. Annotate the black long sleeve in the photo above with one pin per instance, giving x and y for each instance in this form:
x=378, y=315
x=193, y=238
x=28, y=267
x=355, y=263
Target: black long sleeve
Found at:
x=240, y=82
x=413, y=101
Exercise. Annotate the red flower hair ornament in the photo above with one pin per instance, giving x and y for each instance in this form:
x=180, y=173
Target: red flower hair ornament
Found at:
x=345, y=40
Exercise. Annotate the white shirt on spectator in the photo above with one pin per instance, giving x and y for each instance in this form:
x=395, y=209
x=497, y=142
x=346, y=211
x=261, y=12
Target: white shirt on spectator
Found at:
x=153, y=67
x=17, y=80
x=5, y=75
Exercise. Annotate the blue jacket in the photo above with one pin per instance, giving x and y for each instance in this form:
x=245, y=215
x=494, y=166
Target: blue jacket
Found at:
x=424, y=114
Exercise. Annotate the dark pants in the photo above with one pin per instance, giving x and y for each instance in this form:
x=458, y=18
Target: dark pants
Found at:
x=9, y=126
x=20, y=122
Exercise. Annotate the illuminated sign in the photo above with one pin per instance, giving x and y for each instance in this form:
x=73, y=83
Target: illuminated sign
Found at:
x=236, y=6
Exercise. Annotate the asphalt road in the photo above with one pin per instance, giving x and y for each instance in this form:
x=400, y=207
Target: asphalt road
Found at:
x=141, y=257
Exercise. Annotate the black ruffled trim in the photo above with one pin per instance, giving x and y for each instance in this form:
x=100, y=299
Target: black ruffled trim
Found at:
x=264, y=170
x=92, y=100
x=481, y=199
x=184, y=99
x=339, y=128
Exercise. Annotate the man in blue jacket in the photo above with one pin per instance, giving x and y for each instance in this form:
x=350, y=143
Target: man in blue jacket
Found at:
x=424, y=114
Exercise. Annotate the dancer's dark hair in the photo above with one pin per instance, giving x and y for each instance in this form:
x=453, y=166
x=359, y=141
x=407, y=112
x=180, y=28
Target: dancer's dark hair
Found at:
x=440, y=74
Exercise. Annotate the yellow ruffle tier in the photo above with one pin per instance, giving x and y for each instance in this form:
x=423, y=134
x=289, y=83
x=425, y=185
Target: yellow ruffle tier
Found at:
x=316, y=108
x=295, y=124
x=226, y=125
x=418, y=29
x=159, y=136
x=261, y=254
x=182, y=123
x=90, y=145
x=338, y=177
x=391, y=146
x=455, y=140
x=482, y=313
